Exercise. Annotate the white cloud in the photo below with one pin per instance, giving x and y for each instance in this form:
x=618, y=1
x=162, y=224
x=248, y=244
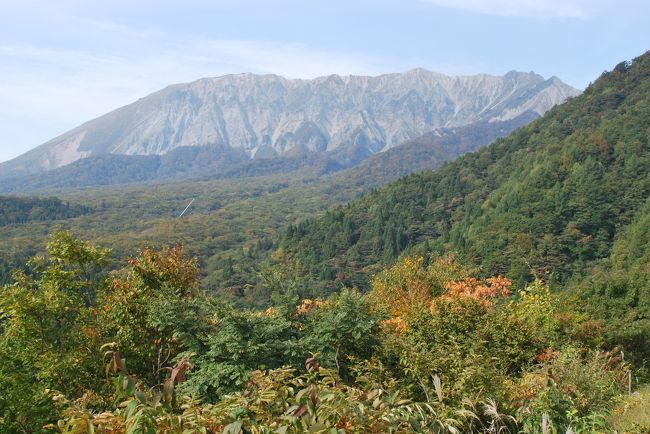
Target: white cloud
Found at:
x=67, y=83
x=521, y=8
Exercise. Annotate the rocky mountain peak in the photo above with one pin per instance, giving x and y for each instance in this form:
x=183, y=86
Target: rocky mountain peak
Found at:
x=274, y=116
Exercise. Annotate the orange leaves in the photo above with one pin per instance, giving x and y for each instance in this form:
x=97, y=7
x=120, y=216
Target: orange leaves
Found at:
x=547, y=354
x=394, y=324
x=308, y=305
x=408, y=287
x=471, y=287
x=471, y=290
x=500, y=284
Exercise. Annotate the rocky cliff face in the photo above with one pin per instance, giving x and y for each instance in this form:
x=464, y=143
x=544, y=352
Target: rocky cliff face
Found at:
x=268, y=115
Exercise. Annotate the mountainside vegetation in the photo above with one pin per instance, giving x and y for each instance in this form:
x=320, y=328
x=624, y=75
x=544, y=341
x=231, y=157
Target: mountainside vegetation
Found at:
x=233, y=224
x=506, y=292
x=18, y=210
x=429, y=349
x=548, y=201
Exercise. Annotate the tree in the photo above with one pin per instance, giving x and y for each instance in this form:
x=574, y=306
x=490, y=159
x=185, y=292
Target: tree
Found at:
x=153, y=310
x=49, y=336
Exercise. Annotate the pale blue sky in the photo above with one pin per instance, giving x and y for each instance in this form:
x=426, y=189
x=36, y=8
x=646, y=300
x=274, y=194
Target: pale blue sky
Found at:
x=65, y=62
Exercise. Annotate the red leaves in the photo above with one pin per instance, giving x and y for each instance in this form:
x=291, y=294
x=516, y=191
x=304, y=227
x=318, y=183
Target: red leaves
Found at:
x=117, y=361
x=311, y=364
x=179, y=371
x=547, y=354
x=177, y=376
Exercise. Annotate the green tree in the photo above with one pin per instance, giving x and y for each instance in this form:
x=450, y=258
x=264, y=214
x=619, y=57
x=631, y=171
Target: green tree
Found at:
x=49, y=334
x=154, y=309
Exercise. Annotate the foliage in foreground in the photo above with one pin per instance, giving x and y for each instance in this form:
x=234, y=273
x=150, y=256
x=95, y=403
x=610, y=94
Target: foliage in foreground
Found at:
x=432, y=348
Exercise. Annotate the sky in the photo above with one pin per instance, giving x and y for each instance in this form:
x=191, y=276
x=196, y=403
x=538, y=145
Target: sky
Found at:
x=63, y=62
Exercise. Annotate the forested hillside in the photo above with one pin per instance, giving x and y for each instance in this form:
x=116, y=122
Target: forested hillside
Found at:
x=429, y=151
x=507, y=292
x=548, y=201
x=234, y=223
x=14, y=209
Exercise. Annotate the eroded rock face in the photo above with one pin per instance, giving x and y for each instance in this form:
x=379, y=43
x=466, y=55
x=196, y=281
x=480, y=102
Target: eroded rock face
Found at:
x=271, y=115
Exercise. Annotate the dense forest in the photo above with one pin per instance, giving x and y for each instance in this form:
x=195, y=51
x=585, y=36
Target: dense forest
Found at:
x=508, y=291
x=17, y=210
x=233, y=224
x=547, y=201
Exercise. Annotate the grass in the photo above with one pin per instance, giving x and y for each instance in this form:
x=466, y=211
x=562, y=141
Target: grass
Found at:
x=633, y=415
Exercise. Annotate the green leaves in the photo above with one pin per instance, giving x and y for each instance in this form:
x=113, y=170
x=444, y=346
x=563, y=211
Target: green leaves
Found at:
x=140, y=419
x=150, y=309
x=339, y=329
x=234, y=427
x=240, y=341
x=51, y=338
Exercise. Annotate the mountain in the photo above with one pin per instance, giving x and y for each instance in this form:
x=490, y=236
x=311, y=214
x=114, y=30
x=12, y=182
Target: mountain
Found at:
x=550, y=200
x=430, y=150
x=200, y=163
x=268, y=115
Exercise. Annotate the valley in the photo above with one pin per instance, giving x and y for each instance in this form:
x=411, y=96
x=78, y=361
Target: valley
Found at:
x=486, y=271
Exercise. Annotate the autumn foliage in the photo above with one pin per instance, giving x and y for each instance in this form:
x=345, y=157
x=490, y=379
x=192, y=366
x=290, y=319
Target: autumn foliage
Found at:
x=409, y=285
x=431, y=348
x=484, y=290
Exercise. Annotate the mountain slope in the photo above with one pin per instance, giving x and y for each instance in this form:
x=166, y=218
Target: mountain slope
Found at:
x=618, y=290
x=548, y=200
x=270, y=115
x=196, y=163
x=431, y=150
x=18, y=210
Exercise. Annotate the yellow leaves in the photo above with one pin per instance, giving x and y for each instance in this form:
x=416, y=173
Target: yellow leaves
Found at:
x=402, y=287
x=270, y=311
x=90, y=332
x=169, y=265
x=394, y=324
x=408, y=287
x=308, y=305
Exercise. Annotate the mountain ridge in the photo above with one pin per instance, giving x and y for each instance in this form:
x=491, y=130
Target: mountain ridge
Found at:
x=274, y=116
x=201, y=163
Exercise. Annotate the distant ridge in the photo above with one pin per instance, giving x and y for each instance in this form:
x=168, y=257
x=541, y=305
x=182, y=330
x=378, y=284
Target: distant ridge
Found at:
x=269, y=116
x=428, y=151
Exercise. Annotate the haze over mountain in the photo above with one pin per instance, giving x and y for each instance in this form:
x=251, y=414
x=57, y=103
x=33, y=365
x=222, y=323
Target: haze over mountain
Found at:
x=428, y=151
x=268, y=115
